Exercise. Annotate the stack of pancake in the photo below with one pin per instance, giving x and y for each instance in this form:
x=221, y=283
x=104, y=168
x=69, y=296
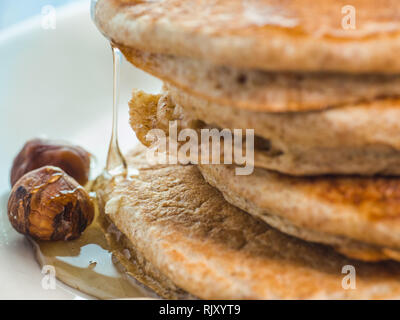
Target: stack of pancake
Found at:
x=324, y=104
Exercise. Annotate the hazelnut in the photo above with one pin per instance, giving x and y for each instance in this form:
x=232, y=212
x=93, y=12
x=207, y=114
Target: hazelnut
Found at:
x=37, y=153
x=48, y=204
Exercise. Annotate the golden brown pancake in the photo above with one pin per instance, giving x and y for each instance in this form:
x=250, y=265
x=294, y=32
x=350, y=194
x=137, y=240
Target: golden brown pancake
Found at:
x=293, y=35
x=262, y=91
x=184, y=233
x=359, y=216
x=355, y=139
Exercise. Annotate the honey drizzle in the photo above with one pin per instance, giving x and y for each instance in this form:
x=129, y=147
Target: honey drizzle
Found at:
x=116, y=163
x=86, y=263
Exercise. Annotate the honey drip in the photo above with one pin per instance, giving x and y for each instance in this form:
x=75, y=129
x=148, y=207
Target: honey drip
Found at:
x=85, y=264
x=116, y=163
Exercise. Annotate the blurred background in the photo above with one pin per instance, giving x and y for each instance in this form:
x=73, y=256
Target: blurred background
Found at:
x=14, y=11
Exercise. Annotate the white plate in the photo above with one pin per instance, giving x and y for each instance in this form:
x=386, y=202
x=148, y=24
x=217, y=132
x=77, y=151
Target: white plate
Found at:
x=55, y=84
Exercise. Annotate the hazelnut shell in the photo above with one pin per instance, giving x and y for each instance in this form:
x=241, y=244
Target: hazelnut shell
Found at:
x=37, y=153
x=48, y=204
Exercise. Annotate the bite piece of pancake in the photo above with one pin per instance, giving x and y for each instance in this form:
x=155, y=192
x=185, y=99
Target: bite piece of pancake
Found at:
x=185, y=233
x=294, y=35
x=354, y=139
x=359, y=216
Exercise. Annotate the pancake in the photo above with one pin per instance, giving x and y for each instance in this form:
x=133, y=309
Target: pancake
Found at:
x=187, y=235
x=301, y=35
x=262, y=91
x=358, y=216
x=355, y=139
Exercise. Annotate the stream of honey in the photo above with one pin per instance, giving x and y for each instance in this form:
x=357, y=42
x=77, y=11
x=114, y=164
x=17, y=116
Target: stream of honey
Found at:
x=86, y=263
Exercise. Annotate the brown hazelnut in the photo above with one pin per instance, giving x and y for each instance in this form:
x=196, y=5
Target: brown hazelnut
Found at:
x=48, y=204
x=36, y=153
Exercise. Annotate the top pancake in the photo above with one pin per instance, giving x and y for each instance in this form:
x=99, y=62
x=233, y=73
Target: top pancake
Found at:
x=302, y=35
